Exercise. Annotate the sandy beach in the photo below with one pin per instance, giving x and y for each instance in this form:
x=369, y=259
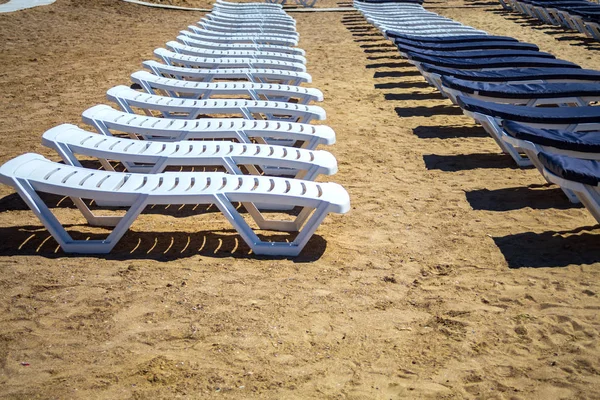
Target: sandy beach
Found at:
x=455, y=274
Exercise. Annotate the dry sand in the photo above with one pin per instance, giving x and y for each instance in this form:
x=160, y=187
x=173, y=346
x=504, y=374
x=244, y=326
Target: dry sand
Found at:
x=455, y=275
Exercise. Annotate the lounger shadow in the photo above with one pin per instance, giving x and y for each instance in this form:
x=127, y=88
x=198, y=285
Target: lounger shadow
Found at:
x=413, y=96
x=159, y=246
x=551, y=249
x=538, y=197
x=427, y=111
x=465, y=162
x=449, y=132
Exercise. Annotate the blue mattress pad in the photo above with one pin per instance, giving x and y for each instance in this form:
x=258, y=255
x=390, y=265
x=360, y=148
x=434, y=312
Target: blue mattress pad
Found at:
x=586, y=142
x=523, y=90
x=475, y=45
x=573, y=169
x=515, y=74
x=449, y=39
x=536, y=115
x=491, y=62
x=471, y=54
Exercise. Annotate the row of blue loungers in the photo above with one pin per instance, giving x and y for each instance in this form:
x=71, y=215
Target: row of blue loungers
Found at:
x=578, y=15
x=536, y=107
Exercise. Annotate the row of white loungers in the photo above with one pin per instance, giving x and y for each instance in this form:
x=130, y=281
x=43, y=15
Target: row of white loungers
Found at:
x=579, y=15
x=410, y=18
x=239, y=61
x=501, y=83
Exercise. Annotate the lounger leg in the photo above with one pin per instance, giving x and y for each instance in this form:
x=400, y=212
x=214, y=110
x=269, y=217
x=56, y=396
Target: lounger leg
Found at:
x=247, y=114
x=268, y=248
x=242, y=137
x=66, y=242
x=492, y=127
x=536, y=162
x=124, y=106
x=277, y=225
x=590, y=197
x=67, y=155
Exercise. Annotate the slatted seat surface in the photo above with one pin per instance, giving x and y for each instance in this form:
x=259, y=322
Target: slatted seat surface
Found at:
x=188, y=108
x=261, y=39
x=252, y=11
x=256, y=16
x=264, y=27
x=251, y=21
x=247, y=74
x=248, y=5
x=215, y=28
x=32, y=173
x=169, y=188
x=106, y=119
x=288, y=35
x=189, y=41
x=172, y=58
x=212, y=53
x=415, y=23
x=446, y=32
x=247, y=10
x=182, y=88
x=69, y=140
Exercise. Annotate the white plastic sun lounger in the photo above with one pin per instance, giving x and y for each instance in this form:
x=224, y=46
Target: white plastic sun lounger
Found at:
x=169, y=107
x=492, y=116
x=276, y=14
x=219, y=37
x=399, y=18
x=188, y=40
x=32, y=173
x=405, y=28
x=532, y=141
x=378, y=6
x=278, y=76
x=153, y=157
x=248, y=5
x=108, y=121
x=409, y=20
x=276, y=18
x=416, y=24
x=245, y=11
x=581, y=177
x=367, y=7
x=592, y=29
x=246, y=32
x=254, y=21
x=248, y=10
x=449, y=31
x=210, y=53
x=184, y=60
x=264, y=27
x=201, y=90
